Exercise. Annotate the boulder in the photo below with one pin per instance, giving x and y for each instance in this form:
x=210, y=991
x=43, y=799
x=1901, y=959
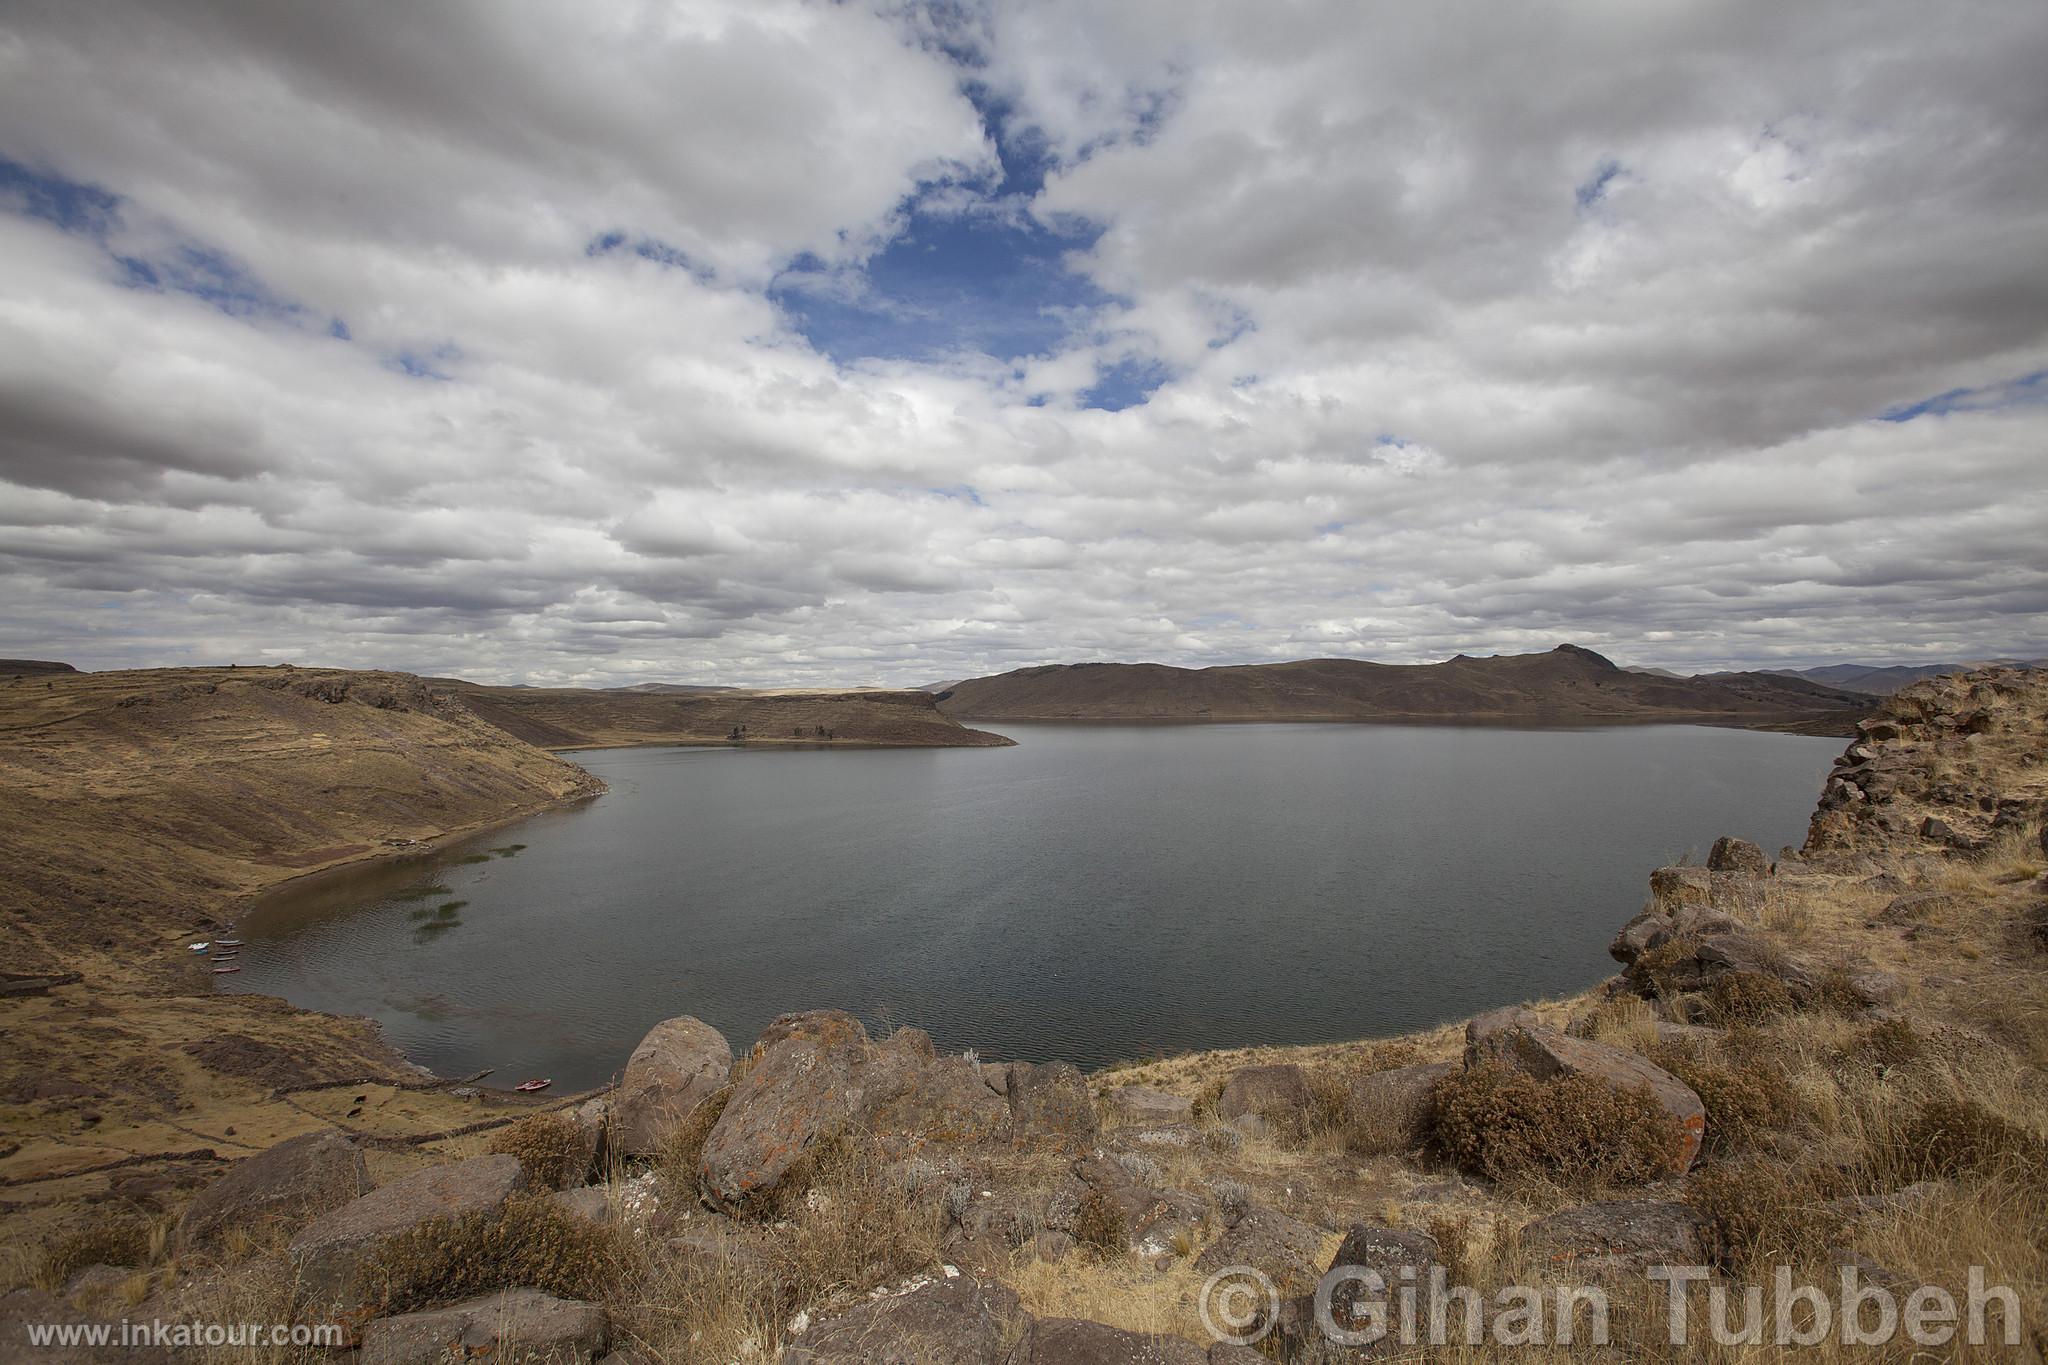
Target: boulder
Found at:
x=806, y=1084
x=331, y=1253
x=1677, y=888
x=1616, y=1239
x=280, y=1186
x=1071, y=1341
x=679, y=1064
x=706, y=1247
x=21, y=1309
x=1143, y=1106
x=958, y=1321
x=1402, y=1257
x=913, y=1099
x=1739, y=856
x=1545, y=1053
x=1050, y=1101
x=512, y=1327
x=1278, y=1094
x=588, y=1202
x=1288, y=1251
x=1389, y=1110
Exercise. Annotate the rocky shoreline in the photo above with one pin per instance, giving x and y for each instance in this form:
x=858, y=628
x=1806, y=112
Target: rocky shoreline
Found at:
x=979, y=1210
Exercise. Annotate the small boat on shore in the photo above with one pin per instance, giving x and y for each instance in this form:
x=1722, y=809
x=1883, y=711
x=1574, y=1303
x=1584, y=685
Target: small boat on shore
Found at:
x=227, y=943
x=224, y=971
x=530, y=1086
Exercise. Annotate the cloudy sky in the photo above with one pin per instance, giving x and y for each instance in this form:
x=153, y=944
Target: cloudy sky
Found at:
x=772, y=342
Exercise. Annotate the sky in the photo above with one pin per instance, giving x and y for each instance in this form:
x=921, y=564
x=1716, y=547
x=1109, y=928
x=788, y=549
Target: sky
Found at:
x=772, y=343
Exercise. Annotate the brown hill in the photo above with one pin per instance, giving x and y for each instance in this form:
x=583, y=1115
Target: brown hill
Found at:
x=23, y=667
x=1567, y=684
x=573, y=718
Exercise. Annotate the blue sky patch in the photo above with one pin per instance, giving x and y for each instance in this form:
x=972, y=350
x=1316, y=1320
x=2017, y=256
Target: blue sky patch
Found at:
x=2027, y=390
x=1594, y=189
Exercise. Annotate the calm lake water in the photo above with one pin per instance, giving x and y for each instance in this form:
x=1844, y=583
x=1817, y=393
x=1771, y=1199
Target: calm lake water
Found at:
x=1095, y=893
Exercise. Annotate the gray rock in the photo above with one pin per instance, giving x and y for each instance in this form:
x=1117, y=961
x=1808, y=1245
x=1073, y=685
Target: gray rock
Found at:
x=331, y=1253
x=1278, y=1094
x=912, y=1100
x=1142, y=1105
x=1739, y=856
x=710, y=1247
x=1071, y=1341
x=1545, y=1053
x=281, y=1186
x=588, y=1202
x=512, y=1327
x=996, y=1076
x=805, y=1085
x=1286, y=1249
x=1616, y=1238
x=679, y=1064
x=947, y=1322
x=1390, y=1110
x=1153, y=1219
x=1050, y=1101
x=1400, y=1256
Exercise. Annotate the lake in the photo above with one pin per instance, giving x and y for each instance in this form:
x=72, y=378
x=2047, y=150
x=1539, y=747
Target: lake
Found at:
x=1098, y=892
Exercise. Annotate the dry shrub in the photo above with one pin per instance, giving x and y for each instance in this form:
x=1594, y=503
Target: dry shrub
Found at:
x=1502, y=1123
x=108, y=1238
x=1748, y=998
x=1657, y=964
x=1837, y=994
x=1452, y=1233
x=684, y=1149
x=1099, y=1227
x=532, y=1242
x=1745, y=1101
x=1947, y=1138
x=855, y=1226
x=549, y=1148
x=1760, y=1212
x=1329, y=1103
x=1206, y=1098
x=1890, y=1042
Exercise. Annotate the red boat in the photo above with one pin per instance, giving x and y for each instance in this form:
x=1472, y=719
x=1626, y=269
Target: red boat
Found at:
x=223, y=971
x=530, y=1086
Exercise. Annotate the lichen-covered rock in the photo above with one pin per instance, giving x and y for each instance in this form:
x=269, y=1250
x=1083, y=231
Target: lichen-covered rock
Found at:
x=1153, y=1219
x=959, y=1321
x=1286, y=1250
x=281, y=1186
x=1738, y=856
x=1615, y=1239
x=679, y=1064
x=512, y=1327
x=331, y=1253
x=805, y=1085
x=1050, y=1101
x=914, y=1099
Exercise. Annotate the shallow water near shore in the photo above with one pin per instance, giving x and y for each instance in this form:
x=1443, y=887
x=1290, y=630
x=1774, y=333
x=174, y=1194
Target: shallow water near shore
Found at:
x=1096, y=893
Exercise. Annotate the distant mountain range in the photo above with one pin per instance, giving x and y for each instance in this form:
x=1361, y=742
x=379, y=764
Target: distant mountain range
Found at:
x=1881, y=680
x=1567, y=684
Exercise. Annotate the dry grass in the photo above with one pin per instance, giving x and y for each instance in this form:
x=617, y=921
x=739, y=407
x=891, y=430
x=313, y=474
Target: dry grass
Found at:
x=1574, y=1130
x=549, y=1147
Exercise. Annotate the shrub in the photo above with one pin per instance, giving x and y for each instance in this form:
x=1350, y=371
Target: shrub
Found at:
x=1948, y=1138
x=550, y=1147
x=118, y=1239
x=1329, y=1103
x=1655, y=965
x=1205, y=1099
x=1748, y=998
x=1099, y=1226
x=1891, y=1042
x=1502, y=1123
x=531, y=1242
x=1758, y=1212
x=1744, y=1101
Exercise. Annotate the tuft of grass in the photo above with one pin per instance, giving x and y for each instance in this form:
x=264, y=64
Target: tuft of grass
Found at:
x=1749, y=998
x=116, y=1239
x=1746, y=1100
x=531, y=1243
x=1578, y=1130
x=1099, y=1227
x=549, y=1148
x=685, y=1147
x=1950, y=1138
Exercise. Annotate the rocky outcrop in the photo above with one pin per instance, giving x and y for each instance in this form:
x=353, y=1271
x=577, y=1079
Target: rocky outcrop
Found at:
x=1286, y=1250
x=1153, y=1220
x=805, y=1084
x=331, y=1253
x=1072, y=1341
x=514, y=1327
x=1517, y=1040
x=281, y=1186
x=679, y=1064
x=962, y=1321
